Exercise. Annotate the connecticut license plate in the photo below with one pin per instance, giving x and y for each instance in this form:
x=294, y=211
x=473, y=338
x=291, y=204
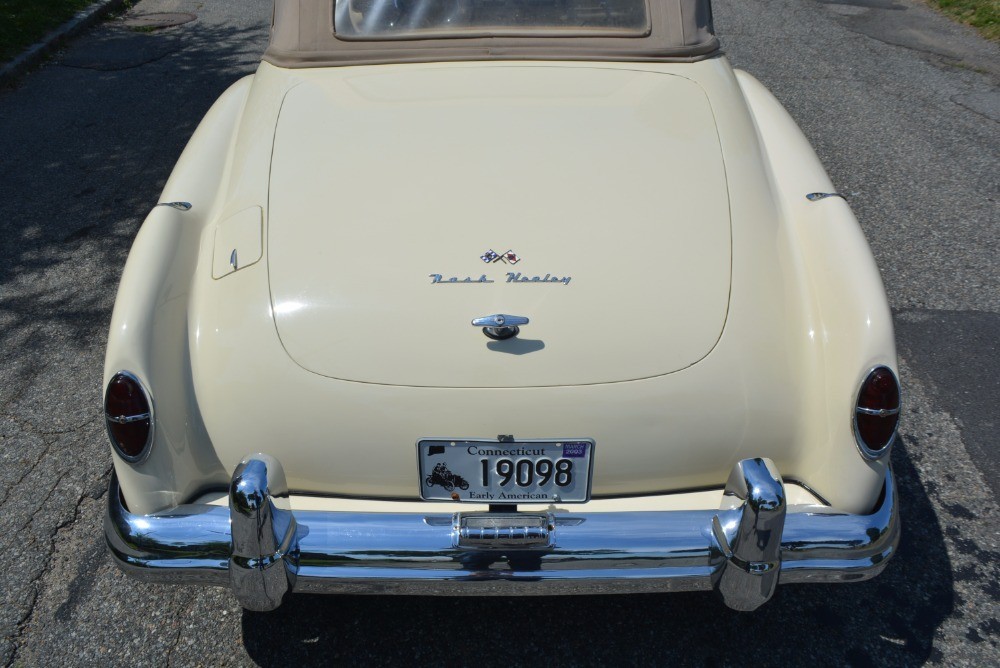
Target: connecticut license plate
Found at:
x=495, y=472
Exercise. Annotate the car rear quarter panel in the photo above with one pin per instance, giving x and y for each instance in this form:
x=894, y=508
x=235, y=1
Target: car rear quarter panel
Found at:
x=149, y=324
x=846, y=320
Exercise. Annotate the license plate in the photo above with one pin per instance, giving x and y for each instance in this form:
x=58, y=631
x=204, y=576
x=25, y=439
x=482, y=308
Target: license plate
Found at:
x=491, y=472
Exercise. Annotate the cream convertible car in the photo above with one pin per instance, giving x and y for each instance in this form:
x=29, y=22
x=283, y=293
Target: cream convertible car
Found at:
x=500, y=297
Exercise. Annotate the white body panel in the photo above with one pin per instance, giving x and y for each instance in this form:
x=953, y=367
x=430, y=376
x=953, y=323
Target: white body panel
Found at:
x=806, y=316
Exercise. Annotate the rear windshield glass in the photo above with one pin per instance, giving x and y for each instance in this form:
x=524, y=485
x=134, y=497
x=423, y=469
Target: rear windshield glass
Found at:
x=388, y=19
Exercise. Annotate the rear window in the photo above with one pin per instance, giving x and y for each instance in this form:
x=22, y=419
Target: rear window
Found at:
x=400, y=19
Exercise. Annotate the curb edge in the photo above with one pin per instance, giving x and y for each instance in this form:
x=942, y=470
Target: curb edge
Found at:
x=33, y=55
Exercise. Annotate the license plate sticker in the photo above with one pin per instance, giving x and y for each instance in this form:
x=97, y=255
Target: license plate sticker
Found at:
x=473, y=471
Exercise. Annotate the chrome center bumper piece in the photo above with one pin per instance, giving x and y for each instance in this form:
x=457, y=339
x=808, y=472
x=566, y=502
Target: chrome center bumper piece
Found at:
x=263, y=550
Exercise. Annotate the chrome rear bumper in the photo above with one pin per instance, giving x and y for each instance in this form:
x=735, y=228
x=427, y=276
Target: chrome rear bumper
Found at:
x=262, y=550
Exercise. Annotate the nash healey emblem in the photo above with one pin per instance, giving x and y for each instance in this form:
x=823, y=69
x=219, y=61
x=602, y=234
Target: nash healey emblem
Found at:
x=507, y=257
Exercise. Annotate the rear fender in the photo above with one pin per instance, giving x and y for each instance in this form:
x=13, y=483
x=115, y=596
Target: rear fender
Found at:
x=844, y=301
x=149, y=325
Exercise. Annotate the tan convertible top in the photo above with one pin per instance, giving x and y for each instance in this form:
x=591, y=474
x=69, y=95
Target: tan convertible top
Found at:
x=303, y=35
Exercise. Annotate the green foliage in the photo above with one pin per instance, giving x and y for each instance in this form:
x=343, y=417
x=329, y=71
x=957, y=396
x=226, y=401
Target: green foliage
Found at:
x=23, y=22
x=981, y=14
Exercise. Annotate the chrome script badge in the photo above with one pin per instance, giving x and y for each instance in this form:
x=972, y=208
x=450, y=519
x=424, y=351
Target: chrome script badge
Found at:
x=492, y=257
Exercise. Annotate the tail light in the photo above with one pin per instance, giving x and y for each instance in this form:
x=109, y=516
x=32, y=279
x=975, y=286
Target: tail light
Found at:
x=876, y=414
x=128, y=413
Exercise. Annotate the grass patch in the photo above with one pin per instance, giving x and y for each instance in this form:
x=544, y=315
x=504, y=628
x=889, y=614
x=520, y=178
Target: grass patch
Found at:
x=23, y=22
x=983, y=15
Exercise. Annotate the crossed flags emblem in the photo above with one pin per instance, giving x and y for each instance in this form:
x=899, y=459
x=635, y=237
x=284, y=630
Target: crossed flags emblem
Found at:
x=507, y=257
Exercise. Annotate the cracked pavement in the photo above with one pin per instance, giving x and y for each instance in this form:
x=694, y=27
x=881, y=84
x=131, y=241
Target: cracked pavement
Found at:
x=903, y=108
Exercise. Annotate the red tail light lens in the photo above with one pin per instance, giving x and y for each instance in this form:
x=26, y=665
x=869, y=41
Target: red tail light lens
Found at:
x=128, y=414
x=876, y=414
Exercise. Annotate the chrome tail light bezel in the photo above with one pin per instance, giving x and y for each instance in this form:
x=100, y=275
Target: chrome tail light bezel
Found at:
x=123, y=419
x=868, y=452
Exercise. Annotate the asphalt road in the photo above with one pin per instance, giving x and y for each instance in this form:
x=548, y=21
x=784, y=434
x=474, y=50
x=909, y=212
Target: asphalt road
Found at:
x=903, y=108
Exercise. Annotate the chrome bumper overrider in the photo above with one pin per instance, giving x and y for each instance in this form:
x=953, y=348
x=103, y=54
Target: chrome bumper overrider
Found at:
x=262, y=550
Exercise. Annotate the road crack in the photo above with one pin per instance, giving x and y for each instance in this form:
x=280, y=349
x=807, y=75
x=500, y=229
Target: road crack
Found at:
x=34, y=465
x=36, y=584
x=954, y=99
x=181, y=616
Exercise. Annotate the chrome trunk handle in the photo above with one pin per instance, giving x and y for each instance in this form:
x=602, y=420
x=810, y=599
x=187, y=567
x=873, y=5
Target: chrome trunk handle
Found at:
x=500, y=326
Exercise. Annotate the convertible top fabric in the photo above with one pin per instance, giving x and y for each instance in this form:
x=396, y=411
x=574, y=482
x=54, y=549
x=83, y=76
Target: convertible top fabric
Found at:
x=302, y=35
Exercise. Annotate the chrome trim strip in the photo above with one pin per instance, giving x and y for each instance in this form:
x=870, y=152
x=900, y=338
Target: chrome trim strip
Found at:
x=127, y=419
x=180, y=206
x=879, y=412
x=815, y=197
x=408, y=553
x=797, y=481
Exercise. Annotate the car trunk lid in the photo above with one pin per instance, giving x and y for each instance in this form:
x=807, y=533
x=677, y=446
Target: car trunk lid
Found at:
x=403, y=205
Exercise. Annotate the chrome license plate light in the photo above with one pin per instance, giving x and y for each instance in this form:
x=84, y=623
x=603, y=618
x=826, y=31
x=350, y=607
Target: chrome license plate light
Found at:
x=505, y=530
